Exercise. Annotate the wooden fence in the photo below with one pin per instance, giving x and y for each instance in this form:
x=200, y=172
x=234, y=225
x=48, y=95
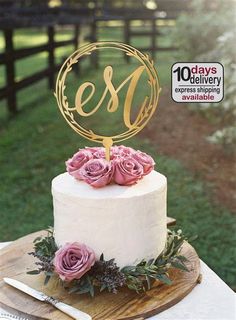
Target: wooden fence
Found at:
x=11, y=55
x=17, y=14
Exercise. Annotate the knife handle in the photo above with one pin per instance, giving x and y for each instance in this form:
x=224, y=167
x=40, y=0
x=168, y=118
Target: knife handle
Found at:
x=70, y=311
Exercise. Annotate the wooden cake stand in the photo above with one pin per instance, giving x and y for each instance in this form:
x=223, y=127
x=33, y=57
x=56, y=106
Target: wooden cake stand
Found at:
x=126, y=305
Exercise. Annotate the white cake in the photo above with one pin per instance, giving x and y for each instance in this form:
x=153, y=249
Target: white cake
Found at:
x=127, y=223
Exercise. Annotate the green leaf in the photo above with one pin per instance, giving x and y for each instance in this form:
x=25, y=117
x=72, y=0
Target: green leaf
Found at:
x=91, y=290
x=37, y=239
x=128, y=269
x=103, y=287
x=182, y=258
x=83, y=290
x=150, y=262
x=160, y=261
x=163, y=278
x=179, y=265
x=142, y=263
x=148, y=282
x=47, y=278
x=73, y=289
x=33, y=272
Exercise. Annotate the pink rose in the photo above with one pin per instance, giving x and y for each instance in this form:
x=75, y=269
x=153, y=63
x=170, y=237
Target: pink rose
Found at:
x=145, y=160
x=97, y=152
x=77, y=161
x=127, y=171
x=92, y=149
x=97, y=172
x=121, y=151
x=73, y=260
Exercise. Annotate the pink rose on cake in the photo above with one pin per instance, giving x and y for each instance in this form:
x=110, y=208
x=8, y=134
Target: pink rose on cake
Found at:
x=97, y=152
x=127, y=171
x=145, y=160
x=97, y=172
x=77, y=161
x=126, y=166
x=73, y=260
x=121, y=152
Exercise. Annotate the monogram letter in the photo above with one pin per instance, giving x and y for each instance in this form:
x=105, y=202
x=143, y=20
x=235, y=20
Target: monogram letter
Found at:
x=113, y=103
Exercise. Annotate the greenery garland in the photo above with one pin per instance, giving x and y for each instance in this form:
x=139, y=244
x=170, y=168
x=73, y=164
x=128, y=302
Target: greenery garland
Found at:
x=106, y=275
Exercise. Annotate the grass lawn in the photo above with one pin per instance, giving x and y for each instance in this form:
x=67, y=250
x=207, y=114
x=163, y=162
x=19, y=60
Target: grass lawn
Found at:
x=35, y=144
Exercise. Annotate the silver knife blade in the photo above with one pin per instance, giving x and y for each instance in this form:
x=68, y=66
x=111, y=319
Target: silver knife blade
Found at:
x=69, y=310
x=26, y=289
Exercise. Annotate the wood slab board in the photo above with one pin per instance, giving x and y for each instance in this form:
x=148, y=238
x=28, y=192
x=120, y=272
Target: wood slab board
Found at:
x=126, y=305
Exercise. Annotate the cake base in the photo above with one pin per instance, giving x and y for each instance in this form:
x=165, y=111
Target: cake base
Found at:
x=126, y=305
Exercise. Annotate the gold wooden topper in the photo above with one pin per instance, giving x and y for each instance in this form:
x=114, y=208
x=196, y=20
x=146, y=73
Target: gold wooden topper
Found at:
x=146, y=110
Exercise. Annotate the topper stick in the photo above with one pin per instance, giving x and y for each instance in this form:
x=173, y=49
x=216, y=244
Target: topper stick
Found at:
x=107, y=142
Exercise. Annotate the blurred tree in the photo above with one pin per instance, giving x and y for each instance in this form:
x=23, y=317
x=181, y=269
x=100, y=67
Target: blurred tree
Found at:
x=208, y=33
x=196, y=32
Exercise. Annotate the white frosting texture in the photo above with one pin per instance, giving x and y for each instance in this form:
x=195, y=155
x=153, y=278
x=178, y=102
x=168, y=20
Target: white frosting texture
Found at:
x=127, y=223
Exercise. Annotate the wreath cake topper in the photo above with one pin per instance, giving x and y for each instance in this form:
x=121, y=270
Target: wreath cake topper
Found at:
x=111, y=93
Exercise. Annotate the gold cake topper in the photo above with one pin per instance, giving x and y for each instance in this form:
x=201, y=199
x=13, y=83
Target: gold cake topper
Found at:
x=145, y=112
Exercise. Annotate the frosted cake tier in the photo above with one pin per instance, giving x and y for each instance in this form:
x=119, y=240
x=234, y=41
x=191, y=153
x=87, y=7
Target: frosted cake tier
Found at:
x=127, y=223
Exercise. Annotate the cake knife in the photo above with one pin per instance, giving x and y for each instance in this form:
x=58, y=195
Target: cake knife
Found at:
x=70, y=311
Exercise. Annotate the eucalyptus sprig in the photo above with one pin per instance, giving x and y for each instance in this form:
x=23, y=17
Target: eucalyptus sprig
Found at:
x=45, y=246
x=44, y=251
x=106, y=275
x=141, y=276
